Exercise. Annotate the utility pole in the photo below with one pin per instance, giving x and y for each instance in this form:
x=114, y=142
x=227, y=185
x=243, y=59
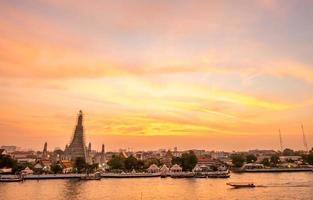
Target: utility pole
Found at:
x=304, y=139
x=281, y=141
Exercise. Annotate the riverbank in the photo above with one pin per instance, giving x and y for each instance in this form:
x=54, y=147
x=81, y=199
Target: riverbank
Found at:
x=269, y=186
x=152, y=175
x=272, y=170
x=112, y=175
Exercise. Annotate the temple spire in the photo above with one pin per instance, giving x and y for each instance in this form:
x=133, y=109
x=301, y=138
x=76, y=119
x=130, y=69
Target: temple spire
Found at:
x=80, y=118
x=45, y=151
x=102, y=150
x=102, y=158
x=77, y=146
x=89, y=147
x=45, y=146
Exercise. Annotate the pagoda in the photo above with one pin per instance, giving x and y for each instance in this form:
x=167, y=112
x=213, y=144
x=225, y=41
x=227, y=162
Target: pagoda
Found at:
x=77, y=146
x=45, y=151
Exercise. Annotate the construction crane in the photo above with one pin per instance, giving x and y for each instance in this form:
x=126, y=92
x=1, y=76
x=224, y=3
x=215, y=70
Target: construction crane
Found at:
x=281, y=141
x=304, y=139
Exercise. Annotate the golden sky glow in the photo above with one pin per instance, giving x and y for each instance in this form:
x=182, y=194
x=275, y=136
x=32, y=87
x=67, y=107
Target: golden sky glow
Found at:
x=148, y=74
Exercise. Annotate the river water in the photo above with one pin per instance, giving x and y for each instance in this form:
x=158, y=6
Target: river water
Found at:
x=270, y=186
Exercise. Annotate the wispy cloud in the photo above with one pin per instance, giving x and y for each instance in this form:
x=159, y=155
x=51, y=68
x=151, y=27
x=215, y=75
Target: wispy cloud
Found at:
x=142, y=68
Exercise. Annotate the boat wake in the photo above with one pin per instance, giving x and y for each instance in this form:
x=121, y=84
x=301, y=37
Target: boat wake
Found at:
x=286, y=185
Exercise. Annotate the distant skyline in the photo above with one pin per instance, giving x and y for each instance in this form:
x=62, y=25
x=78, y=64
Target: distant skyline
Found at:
x=217, y=75
x=137, y=143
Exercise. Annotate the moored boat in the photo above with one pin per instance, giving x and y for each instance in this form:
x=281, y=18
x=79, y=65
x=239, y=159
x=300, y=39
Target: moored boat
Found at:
x=219, y=174
x=273, y=170
x=254, y=168
x=183, y=175
x=95, y=176
x=11, y=179
x=130, y=175
x=200, y=175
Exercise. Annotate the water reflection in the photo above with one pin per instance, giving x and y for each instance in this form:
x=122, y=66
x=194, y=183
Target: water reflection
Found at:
x=284, y=186
x=73, y=189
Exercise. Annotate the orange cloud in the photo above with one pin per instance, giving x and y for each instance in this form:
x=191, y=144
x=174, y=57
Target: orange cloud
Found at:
x=147, y=69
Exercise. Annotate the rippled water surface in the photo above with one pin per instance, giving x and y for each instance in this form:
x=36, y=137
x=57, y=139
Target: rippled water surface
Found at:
x=270, y=186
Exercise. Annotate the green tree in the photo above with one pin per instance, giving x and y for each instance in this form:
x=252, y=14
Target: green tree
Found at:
x=189, y=161
x=131, y=163
x=117, y=162
x=266, y=162
x=20, y=166
x=151, y=161
x=177, y=160
x=308, y=158
x=251, y=158
x=80, y=164
x=7, y=161
x=140, y=165
x=56, y=169
x=288, y=152
x=238, y=160
x=274, y=160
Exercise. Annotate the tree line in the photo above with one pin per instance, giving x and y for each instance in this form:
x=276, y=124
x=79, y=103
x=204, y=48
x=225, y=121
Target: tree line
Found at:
x=119, y=163
x=238, y=159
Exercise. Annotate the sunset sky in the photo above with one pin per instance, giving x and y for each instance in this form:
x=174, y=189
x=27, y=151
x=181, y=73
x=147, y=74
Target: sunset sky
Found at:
x=216, y=75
